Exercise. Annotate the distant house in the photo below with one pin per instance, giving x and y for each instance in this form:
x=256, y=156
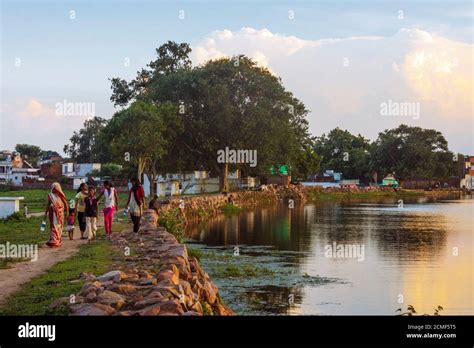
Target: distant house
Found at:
x=13, y=169
x=467, y=181
x=194, y=182
x=67, y=169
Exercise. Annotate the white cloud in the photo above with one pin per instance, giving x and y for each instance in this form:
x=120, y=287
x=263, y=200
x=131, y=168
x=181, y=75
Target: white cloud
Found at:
x=410, y=66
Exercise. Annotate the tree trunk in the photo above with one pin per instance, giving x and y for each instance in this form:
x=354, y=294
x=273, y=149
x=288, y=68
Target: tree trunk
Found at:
x=141, y=168
x=224, y=182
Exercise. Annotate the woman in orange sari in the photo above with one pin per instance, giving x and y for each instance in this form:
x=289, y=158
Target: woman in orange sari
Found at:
x=55, y=209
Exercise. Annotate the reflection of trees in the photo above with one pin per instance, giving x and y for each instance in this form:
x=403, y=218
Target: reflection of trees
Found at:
x=273, y=299
x=392, y=233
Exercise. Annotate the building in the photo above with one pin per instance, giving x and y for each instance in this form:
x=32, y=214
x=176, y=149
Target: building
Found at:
x=195, y=182
x=13, y=169
x=67, y=169
x=467, y=182
x=83, y=169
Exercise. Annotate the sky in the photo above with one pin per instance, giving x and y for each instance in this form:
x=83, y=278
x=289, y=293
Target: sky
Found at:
x=345, y=60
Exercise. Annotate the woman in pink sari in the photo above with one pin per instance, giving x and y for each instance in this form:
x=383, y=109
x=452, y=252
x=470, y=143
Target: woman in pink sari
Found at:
x=55, y=209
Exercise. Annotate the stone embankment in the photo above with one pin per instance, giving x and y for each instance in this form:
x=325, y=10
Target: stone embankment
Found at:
x=157, y=278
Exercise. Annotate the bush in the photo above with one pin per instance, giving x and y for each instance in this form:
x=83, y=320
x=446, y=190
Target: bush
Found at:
x=174, y=223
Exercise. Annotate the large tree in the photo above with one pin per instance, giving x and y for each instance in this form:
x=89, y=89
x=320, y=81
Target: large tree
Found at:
x=228, y=102
x=82, y=143
x=344, y=152
x=29, y=152
x=137, y=135
x=412, y=152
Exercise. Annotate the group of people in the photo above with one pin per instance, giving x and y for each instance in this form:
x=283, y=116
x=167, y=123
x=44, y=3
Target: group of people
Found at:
x=85, y=209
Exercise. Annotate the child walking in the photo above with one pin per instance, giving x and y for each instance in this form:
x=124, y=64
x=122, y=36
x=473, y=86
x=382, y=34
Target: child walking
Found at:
x=70, y=224
x=92, y=209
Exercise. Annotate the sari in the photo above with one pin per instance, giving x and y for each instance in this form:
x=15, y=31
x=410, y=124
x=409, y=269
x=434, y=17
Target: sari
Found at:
x=56, y=218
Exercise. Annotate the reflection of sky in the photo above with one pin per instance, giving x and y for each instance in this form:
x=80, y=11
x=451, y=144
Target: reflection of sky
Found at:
x=408, y=251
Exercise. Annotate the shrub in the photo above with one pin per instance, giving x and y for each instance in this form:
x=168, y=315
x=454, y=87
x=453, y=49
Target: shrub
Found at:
x=174, y=223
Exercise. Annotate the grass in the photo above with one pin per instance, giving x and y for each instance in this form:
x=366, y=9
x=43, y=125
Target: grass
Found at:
x=235, y=271
x=331, y=196
x=230, y=209
x=35, y=297
x=36, y=199
x=21, y=231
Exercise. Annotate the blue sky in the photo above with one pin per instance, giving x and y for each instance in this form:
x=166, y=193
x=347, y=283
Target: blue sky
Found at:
x=71, y=59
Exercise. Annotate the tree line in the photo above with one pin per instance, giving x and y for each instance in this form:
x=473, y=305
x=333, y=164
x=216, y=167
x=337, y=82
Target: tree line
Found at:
x=175, y=117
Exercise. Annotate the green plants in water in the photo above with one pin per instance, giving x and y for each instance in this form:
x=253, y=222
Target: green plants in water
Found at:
x=174, y=223
x=230, y=209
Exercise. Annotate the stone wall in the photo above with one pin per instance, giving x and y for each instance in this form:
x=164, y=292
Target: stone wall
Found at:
x=158, y=278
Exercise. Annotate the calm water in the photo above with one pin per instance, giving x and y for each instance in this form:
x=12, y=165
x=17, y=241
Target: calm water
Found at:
x=422, y=251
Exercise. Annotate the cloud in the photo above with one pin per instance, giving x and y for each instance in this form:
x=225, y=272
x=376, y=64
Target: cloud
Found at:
x=31, y=120
x=343, y=81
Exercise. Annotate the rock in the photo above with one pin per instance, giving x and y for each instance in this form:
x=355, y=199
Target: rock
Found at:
x=152, y=310
x=147, y=302
x=87, y=276
x=111, y=298
x=60, y=302
x=209, y=292
x=124, y=289
x=89, y=309
x=148, y=281
x=91, y=297
x=171, y=307
x=168, y=275
x=223, y=310
x=88, y=287
x=115, y=276
x=196, y=307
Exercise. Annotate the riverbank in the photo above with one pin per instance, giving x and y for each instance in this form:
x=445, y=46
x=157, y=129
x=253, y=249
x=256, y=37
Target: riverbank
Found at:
x=201, y=208
x=153, y=276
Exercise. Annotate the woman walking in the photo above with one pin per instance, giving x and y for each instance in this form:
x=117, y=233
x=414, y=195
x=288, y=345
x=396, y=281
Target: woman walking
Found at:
x=135, y=203
x=80, y=208
x=57, y=204
x=110, y=205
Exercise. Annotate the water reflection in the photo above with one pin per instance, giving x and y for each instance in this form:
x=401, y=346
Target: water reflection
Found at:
x=422, y=252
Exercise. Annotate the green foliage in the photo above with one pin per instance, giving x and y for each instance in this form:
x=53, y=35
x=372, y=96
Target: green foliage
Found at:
x=139, y=132
x=237, y=271
x=343, y=152
x=82, y=144
x=230, y=208
x=29, y=152
x=111, y=170
x=412, y=152
x=174, y=223
x=222, y=103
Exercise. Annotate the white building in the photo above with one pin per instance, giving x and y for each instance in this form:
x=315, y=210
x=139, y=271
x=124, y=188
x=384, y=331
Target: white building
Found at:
x=195, y=182
x=14, y=169
x=67, y=169
x=82, y=169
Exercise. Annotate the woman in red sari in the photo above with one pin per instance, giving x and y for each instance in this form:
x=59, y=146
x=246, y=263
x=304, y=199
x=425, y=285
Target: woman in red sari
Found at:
x=55, y=209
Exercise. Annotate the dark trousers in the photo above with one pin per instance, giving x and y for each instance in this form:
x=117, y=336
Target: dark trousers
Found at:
x=136, y=223
x=81, y=219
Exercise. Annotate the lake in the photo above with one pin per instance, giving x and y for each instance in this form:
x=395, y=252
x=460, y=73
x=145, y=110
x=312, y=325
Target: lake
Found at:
x=343, y=258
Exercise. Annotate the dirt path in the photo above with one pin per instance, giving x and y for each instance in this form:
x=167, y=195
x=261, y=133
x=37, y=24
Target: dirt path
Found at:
x=12, y=279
